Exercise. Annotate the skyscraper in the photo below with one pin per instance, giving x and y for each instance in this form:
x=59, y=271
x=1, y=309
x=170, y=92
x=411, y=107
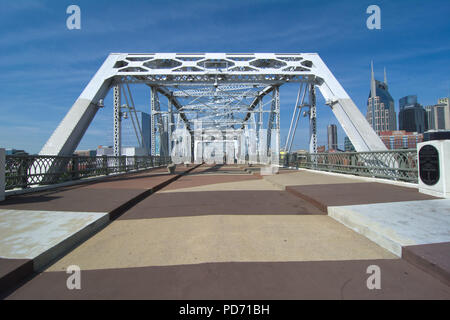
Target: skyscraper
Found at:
x=332, y=137
x=438, y=115
x=130, y=129
x=380, y=106
x=411, y=116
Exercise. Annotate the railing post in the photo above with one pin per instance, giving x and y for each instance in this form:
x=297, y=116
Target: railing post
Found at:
x=123, y=164
x=23, y=172
x=75, y=168
x=2, y=174
x=105, y=165
x=353, y=163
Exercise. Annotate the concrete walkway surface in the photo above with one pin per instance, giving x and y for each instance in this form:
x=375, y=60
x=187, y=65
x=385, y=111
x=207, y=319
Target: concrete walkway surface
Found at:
x=37, y=228
x=224, y=232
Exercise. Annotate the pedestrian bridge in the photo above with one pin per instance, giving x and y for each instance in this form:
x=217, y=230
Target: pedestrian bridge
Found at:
x=225, y=232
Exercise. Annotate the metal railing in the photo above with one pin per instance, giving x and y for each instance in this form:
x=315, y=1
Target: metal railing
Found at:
x=24, y=171
x=392, y=164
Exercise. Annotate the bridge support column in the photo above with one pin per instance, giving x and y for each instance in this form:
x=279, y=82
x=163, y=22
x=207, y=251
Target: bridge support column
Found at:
x=312, y=123
x=117, y=121
x=2, y=174
x=153, y=96
x=260, y=126
x=276, y=145
x=170, y=126
x=312, y=120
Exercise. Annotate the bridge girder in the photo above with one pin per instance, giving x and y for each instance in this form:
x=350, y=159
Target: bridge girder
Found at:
x=200, y=73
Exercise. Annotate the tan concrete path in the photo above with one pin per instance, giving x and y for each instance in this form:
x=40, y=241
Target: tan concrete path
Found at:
x=234, y=241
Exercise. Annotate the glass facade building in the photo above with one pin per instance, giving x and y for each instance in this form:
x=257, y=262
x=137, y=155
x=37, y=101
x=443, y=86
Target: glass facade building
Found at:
x=411, y=116
x=129, y=131
x=348, y=145
x=380, y=107
x=332, y=137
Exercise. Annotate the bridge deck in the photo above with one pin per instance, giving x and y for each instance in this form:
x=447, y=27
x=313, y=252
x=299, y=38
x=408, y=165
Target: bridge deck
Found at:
x=223, y=233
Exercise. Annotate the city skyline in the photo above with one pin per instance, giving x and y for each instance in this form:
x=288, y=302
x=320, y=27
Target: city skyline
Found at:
x=38, y=45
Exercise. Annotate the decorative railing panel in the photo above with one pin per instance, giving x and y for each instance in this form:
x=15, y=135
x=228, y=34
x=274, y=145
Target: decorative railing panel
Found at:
x=393, y=164
x=24, y=171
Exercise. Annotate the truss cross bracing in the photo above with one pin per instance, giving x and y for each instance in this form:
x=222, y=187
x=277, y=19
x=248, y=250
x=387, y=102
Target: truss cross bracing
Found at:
x=223, y=92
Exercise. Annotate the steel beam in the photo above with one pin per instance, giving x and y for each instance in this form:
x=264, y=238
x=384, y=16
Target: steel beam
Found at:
x=312, y=120
x=69, y=132
x=354, y=124
x=153, y=109
x=235, y=71
x=117, y=120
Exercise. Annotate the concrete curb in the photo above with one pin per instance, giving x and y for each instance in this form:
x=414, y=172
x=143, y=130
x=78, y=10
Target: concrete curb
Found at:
x=428, y=260
x=421, y=262
x=365, y=228
x=32, y=267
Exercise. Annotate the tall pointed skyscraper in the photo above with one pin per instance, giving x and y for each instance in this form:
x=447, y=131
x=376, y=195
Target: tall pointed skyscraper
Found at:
x=380, y=105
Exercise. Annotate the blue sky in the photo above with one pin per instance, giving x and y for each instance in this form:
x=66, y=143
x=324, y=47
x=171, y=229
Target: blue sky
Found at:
x=44, y=66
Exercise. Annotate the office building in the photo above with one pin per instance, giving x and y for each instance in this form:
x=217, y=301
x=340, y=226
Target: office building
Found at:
x=436, y=135
x=401, y=139
x=105, y=151
x=348, y=145
x=380, y=106
x=438, y=115
x=411, y=116
x=129, y=131
x=86, y=153
x=15, y=152
x=332, y=137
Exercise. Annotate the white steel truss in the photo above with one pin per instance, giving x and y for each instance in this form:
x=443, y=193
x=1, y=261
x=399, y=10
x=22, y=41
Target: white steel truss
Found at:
x=224, y=90
x=117, y=120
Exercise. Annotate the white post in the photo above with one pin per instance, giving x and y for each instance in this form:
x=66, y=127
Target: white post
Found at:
x=2, y=174
x=434, y=167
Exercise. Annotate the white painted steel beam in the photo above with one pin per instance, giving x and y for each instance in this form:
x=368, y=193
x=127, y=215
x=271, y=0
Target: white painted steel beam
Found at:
x=69, y=132
x=232, y=71
x=355, y=125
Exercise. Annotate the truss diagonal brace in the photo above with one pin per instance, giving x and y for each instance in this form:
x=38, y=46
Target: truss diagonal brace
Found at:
x=355, y=125
x=175, y=103
x=69, y=132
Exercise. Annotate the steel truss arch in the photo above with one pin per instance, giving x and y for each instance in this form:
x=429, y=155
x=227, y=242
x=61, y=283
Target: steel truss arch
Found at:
x=206, y=78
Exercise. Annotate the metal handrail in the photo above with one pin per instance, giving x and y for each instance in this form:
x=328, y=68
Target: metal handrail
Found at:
x=391, y=164
x=25, y=171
